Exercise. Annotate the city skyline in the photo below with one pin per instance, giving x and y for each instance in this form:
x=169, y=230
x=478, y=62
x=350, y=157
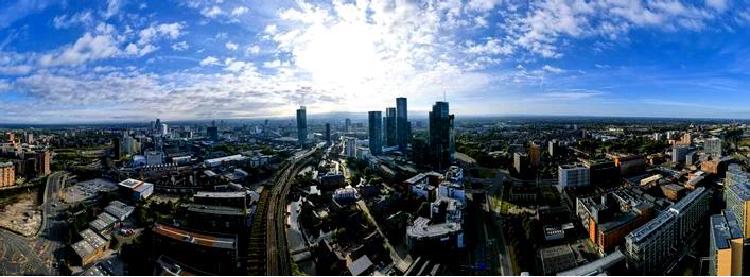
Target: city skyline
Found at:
x=125, y=61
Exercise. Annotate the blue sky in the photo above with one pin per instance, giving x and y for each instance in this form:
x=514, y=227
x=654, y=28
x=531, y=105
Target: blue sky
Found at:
x=124, y=60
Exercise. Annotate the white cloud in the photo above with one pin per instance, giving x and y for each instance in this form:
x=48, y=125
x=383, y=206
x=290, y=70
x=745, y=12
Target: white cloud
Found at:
x=212, y=12
x=240, y=10
x=65, y=21
x=270, y=29
x=719, y=5
x=4, y=86
x=552, y=69
x=168, y=30
x=86, y=48
x=252, y=50
x=113, y=7
x=15, y=69
x=210, y=60
x=180, y=46
x=231, y=46
x=134, y=50
x=575, y=94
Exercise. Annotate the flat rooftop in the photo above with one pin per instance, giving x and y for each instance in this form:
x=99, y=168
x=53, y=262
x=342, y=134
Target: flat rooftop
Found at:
x=221, y=194
x=724, y=229
x=421, y=228
x=214, y=209
x=194, y=237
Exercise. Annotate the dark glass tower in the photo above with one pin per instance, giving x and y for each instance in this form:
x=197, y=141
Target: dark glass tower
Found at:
x=402, y=124
x=390, y=127
x=302, y=126
x=375, y=131
x=442, y=147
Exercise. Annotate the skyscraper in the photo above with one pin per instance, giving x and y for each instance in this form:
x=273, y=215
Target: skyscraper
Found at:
x=390, y=127
x=535, y=154
x=328, y=132
x=348, y=125
x=442, y=147
x=712, y=146
x=402, y=125
x=302, y=126
x=375, y=127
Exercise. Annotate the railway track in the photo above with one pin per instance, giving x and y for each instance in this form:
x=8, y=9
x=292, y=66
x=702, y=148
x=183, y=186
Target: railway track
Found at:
x=278, y=254
x=268, y=253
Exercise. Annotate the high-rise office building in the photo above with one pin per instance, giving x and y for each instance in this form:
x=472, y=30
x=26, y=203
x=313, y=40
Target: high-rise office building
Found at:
x=328, y=132
x=442, y=147
x=570, y=176
x=535, y=154
x=117, y=147
x=348, y=125
x=661, y=241
x=156, y=126
x=375, y=131
x=390, y=131
x=43, y=158
x=726, y=246
x=737, y=197
x=7, y=174
x=403, y=129
x=213, y=132
x=736, y=175
x=302, y=126
x=712, y=146
x=553, y=147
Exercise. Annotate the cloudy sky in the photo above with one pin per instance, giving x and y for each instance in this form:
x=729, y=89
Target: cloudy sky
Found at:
x=124, y=60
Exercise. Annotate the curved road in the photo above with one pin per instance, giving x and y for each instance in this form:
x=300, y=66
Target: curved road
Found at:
x=35, y=256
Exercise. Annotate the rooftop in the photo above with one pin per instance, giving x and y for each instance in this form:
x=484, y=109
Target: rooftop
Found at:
x=221, y=194
x=742, y=191
x=194, y=237
x=131, y=183
x=596, y=267
x=214, y=209
x=725, y=228
x=421, y=228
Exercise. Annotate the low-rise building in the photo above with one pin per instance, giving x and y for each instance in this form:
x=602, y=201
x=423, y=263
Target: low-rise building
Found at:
x=571, y=176
x=206, y=252
x=657, y=243
x=137, y=189
x=119, y=210
x=556, y=259
x=726, y=247
x=7, y=174
x=89, y=249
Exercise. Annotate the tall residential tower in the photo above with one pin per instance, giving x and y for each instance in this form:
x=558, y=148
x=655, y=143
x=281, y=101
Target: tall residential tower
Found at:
x=402, y=124
x=442, y=146
x=375, y=131
x=302, y=126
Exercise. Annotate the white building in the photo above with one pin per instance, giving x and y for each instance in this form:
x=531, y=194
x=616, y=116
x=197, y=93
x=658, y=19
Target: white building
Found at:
x=350, y=147
x=139, y=189
x=154, y=157
x=573, y=176
x=712, y=146
x=218, y=161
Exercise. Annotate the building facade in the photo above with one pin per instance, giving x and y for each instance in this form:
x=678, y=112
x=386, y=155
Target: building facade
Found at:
x=571, y=176
x=375, y=131
x=7, y=174
x=391, y=131
x=402, y=124
x=712, y=146
x=302, y=126
x=442, y=145
x=655, y=245
x=726, y=246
